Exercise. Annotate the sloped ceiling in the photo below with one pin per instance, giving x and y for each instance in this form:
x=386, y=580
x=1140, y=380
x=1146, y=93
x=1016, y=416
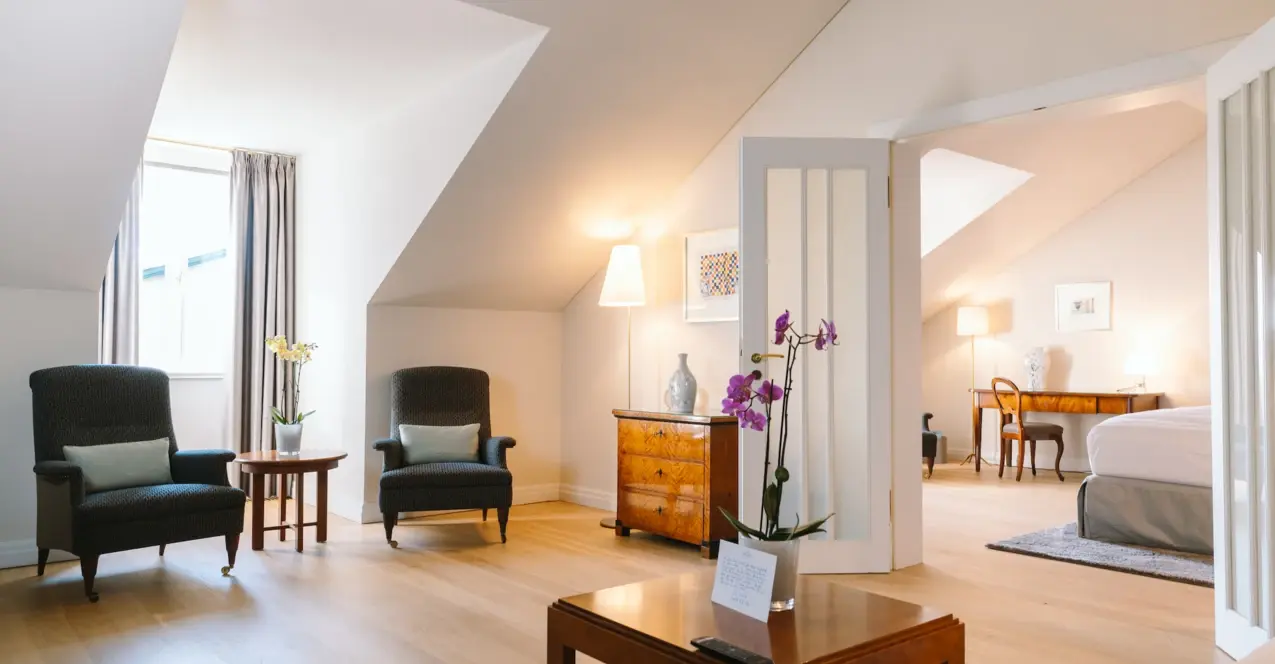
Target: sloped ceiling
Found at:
x=1079, y=160
x=289, y=75
x=78, y=84
x=616, y=108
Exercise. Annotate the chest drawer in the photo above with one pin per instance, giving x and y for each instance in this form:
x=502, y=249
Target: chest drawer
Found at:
x=655, y=475
x=669, y=515
x=666, y=440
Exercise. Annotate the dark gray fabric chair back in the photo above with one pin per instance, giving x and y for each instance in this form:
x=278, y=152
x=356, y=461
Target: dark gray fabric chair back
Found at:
x=96, y=404
x=440, y=396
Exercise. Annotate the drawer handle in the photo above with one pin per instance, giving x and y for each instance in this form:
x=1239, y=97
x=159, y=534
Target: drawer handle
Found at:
x=659, y=432
x=660, y=510
x=659, y=472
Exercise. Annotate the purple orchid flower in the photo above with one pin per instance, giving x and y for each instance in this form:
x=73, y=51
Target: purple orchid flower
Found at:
x=827, y=335
x=751, y=419
x=770, y=392
x=782, y=324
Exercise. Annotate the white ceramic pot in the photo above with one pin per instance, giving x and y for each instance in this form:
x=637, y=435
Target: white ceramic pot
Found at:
x=287, y=438
x=784, y=595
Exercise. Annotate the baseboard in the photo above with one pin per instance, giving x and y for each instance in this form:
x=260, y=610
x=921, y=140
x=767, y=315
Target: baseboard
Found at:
x=603, y=500
x=535, y=493
x=21, y=553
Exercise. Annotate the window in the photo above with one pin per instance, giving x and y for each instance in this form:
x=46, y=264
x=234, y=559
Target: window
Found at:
x=185, y=308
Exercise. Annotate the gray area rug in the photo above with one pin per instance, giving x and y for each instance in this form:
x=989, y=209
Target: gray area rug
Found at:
x=1062, y=543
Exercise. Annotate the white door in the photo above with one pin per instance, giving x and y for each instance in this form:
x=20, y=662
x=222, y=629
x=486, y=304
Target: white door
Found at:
x=816, y=241
x=1241, y=94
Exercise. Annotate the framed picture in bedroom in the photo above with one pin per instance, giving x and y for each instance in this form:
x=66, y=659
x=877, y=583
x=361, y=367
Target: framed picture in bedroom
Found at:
x=710, y=284
x=1082, y=307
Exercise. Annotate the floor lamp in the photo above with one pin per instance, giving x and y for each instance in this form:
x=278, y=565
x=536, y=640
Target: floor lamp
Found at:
x=971, y=322
x=623, y=287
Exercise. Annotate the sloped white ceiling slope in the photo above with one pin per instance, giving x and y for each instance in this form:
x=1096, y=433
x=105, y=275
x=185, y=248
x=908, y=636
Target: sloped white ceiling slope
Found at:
x=294, y=75
x=1078, y=163
x=78, y=84
x=618, y=105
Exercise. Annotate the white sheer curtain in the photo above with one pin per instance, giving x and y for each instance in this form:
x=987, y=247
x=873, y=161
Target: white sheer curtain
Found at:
x=118, y=297
x=263, y=241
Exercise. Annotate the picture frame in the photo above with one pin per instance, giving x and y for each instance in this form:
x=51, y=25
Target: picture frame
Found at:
x=711, y=276
x=1082, y=307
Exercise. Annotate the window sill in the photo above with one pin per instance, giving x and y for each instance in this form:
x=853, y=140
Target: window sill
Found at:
x=176, y=375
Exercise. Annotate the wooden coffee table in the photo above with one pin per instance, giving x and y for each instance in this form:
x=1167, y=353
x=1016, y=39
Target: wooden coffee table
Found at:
x=654, y=621
x=260, y=464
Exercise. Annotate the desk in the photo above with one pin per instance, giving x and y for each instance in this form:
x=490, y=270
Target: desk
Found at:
x=653, y=622
x=1043, y=401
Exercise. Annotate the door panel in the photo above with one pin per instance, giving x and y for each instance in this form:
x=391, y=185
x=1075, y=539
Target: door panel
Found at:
x=1242, y=344
x=816, y=242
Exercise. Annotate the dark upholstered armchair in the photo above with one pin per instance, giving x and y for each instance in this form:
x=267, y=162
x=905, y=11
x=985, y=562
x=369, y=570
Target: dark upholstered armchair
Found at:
x=443, y=396
x=101, y=404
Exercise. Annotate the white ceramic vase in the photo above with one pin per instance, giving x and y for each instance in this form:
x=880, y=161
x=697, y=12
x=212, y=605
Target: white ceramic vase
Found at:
x=287, y=438
x=682, y=388
x=784, y=595
x=1037, y=363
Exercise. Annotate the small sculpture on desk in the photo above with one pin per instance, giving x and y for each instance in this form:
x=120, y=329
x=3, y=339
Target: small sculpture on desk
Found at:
x=1037, y=363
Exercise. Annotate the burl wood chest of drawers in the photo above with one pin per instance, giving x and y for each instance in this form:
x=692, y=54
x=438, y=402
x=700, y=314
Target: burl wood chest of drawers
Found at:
x=675, y=471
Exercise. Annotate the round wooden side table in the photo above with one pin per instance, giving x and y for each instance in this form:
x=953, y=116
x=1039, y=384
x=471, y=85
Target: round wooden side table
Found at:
x=260, y=464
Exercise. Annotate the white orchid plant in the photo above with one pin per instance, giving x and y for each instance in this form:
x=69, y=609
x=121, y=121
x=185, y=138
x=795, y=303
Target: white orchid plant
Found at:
x=296, y=356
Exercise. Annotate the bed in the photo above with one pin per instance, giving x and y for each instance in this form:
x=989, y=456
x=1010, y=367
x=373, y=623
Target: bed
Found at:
x=1152, y=481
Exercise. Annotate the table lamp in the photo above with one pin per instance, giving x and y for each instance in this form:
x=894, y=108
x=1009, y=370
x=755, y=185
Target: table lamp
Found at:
x=971, y=322
x=623, y=287
x=1140, y=363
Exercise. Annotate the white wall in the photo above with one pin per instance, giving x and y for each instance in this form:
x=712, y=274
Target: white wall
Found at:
x=43, y=328
x=522, y=353
x=877, y=60
x=1150, y=240
x=359, y=200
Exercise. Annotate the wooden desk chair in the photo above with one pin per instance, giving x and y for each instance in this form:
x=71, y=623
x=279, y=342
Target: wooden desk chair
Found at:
x=1014, y=427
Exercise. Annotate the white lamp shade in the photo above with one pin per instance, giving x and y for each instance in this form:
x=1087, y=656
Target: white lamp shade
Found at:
x=623, y=286
x=971, y=321
x=1141, y=363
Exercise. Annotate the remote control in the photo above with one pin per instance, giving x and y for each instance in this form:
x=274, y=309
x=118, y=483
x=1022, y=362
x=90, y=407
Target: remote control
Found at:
x=728, y=652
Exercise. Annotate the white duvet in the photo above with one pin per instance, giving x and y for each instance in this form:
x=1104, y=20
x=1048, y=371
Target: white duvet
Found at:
x=1172, y=445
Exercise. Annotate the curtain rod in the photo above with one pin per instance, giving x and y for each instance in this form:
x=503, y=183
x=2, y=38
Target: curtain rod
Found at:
x=190, y=144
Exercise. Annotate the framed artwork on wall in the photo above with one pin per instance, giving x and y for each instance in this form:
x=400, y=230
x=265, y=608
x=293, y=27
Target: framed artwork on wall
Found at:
x=710, y=284
x=1082, y=307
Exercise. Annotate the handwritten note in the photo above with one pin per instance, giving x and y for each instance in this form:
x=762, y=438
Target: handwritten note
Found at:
x=744, y=580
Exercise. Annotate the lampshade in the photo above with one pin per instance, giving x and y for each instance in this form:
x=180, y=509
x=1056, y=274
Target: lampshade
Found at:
x=623, y=285
x=971, y=321
x=1141, y=363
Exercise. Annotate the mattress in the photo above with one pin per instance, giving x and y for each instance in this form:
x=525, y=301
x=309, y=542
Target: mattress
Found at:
x=1173, y=445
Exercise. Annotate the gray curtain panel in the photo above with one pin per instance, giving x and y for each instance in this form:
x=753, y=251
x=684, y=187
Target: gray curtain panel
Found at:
x=263, y=220
x=117, y=299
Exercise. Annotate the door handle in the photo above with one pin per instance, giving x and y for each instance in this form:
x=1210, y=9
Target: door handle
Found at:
x=758, y=357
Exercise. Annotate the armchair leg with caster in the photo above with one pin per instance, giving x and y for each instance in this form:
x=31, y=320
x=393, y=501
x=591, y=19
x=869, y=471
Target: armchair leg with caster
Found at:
x=390, y=520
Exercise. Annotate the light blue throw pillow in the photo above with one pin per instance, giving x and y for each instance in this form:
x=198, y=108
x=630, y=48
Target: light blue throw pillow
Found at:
x=426, y=444
x=122, y=465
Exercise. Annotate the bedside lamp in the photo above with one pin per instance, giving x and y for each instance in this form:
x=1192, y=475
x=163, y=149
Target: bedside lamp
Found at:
x=1140, y=363
x=623, y=287
x=971, y=322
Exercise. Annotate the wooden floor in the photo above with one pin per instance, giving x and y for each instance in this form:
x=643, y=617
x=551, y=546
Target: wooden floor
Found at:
x=453, y=593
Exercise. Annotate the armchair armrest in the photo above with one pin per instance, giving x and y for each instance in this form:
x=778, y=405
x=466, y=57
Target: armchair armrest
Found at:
x=494, y=450
x=59, y=472
x=393, y=450
x=201, y=466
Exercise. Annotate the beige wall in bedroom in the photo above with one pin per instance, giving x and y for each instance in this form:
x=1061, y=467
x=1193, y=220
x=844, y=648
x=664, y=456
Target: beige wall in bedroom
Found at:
x=1150, y=240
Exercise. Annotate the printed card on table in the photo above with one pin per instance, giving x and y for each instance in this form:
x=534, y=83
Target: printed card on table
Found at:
x=744, y=580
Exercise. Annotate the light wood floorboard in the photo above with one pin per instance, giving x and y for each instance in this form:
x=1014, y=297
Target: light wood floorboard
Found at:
x=452, y=593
